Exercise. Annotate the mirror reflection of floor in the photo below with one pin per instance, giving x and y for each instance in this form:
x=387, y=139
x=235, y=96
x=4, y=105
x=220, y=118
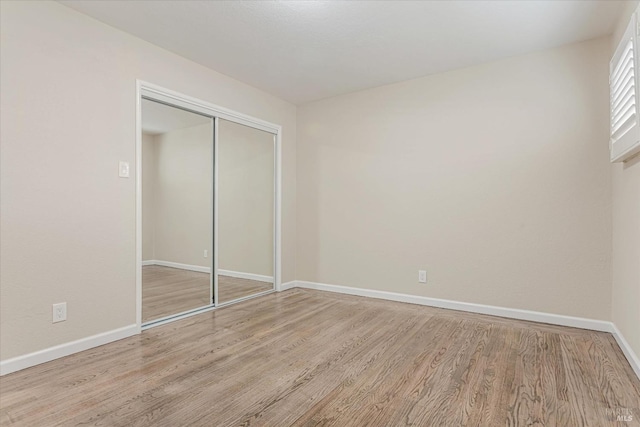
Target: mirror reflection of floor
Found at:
x=230, y=288
x=167, y=291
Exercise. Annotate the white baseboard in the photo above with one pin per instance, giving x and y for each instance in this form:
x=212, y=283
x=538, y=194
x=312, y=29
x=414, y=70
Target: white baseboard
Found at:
x=512, y=313
x=288, y=285
x=248, y=276
x=32, y=359
x=171, y=264
x=631, y=356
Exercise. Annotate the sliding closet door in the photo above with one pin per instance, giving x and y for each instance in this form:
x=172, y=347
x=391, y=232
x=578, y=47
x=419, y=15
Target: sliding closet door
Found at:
x=177, y=209
x=246, y=201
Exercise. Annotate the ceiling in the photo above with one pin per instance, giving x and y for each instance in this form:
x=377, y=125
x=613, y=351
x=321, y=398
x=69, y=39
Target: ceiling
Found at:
x=307, y=50
x=159, y=118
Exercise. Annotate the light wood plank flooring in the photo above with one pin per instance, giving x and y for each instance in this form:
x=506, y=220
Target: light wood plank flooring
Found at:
x=306, y=358
x=167, y=291
x=230, y=288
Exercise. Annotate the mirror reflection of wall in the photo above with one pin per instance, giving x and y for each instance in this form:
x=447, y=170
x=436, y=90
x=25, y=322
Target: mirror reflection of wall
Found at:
x=177, y=176
x=246, y=192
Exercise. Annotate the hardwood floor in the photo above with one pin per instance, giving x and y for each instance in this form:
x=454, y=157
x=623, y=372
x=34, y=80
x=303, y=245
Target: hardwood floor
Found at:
x=230, y=288
x=167, y=291
x=303, y=358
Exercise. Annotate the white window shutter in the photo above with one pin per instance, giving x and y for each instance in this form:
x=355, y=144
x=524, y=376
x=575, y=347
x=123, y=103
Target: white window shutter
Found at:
x=623, y=83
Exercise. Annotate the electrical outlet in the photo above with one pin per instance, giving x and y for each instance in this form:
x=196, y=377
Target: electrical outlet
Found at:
x=123, y=169
x=422, y=276
x=206, y=253
x=59, y=312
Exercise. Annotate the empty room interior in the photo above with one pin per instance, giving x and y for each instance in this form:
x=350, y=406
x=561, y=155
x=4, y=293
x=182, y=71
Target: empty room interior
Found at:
x=336, y=213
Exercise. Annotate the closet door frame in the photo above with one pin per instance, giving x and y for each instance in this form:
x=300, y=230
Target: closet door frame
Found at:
x=216, y=112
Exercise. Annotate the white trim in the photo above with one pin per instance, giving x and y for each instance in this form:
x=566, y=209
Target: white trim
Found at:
x=513, y=313
x=277, y=249
x=628, y=352
x=32, y=359
x=214, y=214
x=172, y=264
x=248, y=276
x=289, y=285
x=167, y=96
x=624, y=150
x=139, y=205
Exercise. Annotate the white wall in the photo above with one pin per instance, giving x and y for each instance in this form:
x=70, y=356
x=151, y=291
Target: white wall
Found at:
x=68, y=116
x=245, y=199
x=494, y=178
x=626, y=231
x=180, y=212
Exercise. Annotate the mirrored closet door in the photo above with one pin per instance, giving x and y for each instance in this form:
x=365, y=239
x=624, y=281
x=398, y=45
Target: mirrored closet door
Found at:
x=207, y=225
x=246, y=202
x=177, y=210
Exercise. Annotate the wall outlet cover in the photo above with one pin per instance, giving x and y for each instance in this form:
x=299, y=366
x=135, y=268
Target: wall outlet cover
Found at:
x=422, y=276
x=59, y=312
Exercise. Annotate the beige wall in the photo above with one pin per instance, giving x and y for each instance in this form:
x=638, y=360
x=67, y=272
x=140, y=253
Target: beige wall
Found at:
x=494, y=178
x=626, y=232
x=245, y=199
x=67, y=219
x=180, y=182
